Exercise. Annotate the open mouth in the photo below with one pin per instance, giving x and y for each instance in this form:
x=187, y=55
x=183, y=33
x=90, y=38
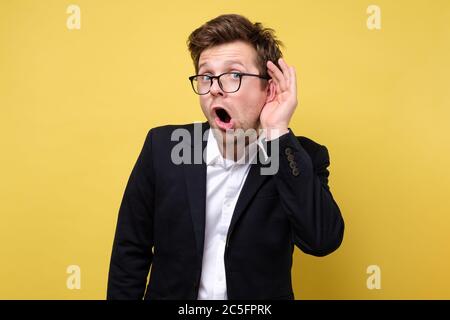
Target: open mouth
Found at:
x=223, y=115
x=223, y=119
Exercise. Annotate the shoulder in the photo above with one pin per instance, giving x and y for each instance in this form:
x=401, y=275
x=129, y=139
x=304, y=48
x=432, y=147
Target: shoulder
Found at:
x=168, y=129
x=166, y=133
x=316, y=151
x=310, y=145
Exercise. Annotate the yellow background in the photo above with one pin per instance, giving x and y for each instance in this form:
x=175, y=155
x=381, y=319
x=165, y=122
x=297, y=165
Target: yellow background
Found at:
x=75, y=107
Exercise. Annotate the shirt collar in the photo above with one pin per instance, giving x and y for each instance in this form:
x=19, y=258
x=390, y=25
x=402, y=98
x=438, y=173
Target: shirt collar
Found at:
x=213, y=155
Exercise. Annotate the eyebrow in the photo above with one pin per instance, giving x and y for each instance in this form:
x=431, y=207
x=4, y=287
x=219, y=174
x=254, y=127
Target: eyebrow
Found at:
x=227, y=62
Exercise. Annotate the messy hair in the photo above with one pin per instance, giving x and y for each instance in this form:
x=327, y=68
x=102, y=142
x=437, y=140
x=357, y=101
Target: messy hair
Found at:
x=233, y=27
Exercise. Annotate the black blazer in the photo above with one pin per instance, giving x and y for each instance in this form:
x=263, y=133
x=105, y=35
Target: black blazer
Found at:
x=161, y=222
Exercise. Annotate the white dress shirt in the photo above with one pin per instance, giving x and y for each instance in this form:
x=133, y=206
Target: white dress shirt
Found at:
x=225, y=179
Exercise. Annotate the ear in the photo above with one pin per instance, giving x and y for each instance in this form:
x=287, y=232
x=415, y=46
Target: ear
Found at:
x=271, y=91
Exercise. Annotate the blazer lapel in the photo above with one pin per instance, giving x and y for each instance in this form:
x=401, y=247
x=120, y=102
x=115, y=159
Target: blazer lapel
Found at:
x=252, y=183
x=195, y=178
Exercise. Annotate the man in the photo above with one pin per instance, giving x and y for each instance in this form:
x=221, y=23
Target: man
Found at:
x=219, y=228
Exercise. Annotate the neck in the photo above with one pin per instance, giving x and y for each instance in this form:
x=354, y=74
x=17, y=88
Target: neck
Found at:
x=233, y=147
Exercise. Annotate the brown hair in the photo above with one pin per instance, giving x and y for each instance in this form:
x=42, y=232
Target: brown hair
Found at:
x=232, y=27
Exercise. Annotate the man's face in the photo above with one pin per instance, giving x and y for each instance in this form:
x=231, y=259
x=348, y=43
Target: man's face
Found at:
x=244, y=106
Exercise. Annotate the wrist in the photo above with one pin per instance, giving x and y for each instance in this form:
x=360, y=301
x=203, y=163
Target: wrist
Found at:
x=274, y=133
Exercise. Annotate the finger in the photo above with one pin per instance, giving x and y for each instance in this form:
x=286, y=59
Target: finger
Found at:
x=284, y=69
x=293, y=77
x=288, y=75
x=277, y=75
x=275, y=81
x=280, y=74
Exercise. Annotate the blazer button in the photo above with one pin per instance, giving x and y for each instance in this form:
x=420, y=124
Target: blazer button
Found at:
x=290, y=157
x=295, y=171
x=288, y=151
x=292, y=164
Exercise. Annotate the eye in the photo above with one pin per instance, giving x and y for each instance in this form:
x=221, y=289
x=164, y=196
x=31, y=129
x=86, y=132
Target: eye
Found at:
x=204, y=77
x=236, y=75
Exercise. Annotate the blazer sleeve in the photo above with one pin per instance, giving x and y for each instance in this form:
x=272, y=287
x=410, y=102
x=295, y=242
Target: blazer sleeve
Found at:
x=132, y=255
x=302, y=181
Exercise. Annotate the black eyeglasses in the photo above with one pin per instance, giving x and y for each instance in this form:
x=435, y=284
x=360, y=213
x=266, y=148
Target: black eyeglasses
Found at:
x=229, y=82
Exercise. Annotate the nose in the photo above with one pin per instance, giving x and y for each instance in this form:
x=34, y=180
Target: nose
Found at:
x=215, y=88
